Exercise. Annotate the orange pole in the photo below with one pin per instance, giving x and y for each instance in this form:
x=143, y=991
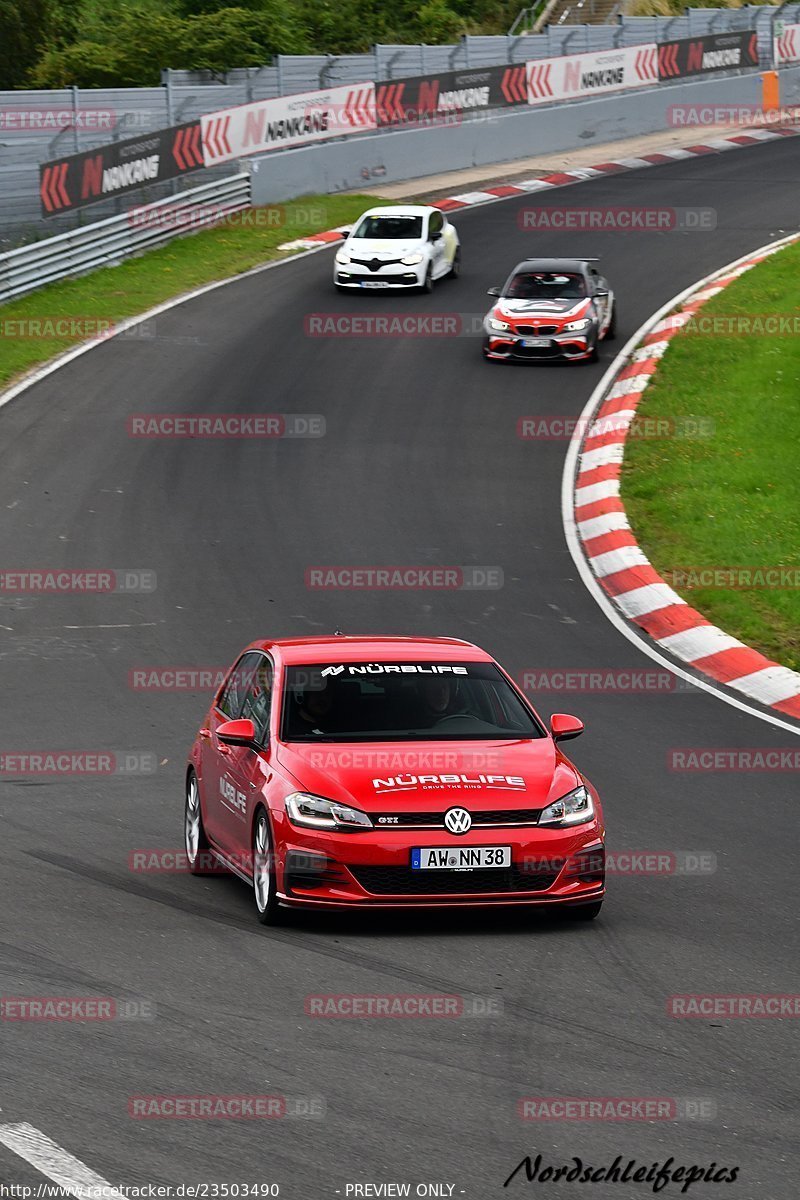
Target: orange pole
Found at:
x=770, y=91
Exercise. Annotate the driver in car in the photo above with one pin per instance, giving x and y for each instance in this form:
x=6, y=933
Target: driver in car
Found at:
x=313, y=708
x=439, y=696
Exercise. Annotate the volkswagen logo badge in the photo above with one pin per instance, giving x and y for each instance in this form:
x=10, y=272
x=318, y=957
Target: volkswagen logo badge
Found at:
x=457, y=820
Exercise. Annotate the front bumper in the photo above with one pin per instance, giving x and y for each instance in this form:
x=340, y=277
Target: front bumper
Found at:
x=394, y=276
x=511, y=346
x=372, y=869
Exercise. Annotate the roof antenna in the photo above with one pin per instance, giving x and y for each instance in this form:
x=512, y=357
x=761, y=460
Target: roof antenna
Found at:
x=338, y=632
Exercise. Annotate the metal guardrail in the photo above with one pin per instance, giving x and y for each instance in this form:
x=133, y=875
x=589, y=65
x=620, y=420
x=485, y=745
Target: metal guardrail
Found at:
x=109, y=242
x=187, y=95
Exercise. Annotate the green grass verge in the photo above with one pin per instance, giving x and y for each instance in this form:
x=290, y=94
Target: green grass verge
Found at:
x=732, y=498
x=114, y=293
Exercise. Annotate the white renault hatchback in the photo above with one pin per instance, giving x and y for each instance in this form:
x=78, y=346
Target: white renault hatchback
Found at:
x=398, y=247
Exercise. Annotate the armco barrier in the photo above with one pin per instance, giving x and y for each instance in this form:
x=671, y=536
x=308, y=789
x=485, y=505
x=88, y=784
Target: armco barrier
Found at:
x=46, y=125
x=287, y=122
x=495, y=137
x=401, y=154
x=106, y=243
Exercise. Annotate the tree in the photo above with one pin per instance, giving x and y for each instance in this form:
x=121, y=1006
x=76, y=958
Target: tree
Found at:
x=23, y=32
x=437, y=23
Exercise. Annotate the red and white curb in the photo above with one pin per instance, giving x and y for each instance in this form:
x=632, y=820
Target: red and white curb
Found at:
x=524, y=187
x=599, y=519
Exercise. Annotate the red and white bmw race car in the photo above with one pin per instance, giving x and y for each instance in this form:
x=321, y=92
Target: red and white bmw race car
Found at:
x=384, y=772
x=550, y=308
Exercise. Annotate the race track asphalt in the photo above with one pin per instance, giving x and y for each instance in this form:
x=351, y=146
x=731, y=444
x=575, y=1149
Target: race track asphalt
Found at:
x=420, y=464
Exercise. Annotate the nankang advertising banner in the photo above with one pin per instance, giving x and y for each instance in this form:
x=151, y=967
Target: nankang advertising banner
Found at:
x=119, y=167
x=703, y=55
x=287, y=121
x=575, y=75
x=405, y=101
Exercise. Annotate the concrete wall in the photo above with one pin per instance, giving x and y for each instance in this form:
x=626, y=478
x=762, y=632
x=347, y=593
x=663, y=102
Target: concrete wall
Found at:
x=495, y=137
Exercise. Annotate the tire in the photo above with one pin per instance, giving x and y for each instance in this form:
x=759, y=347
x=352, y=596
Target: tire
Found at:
x=455, y=270
x=265, y=889
x=583, y=912
x=593, y=355
x=340, y=288
x=194, y=835
x=427, y=286
x=611, y=332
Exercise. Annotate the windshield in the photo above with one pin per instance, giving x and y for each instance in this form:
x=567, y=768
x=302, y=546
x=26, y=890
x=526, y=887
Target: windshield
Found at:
x=390, y=228
x=378, y=702
x=542, y=285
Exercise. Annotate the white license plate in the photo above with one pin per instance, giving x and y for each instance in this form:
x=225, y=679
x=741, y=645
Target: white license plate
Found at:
x=460, y=858
x=534, y=343
x=373, y=283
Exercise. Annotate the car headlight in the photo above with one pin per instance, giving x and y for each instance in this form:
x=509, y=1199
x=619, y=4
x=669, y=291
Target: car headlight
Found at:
x=411, y=260
x=495, y=324
x=342, y=257
x=574, y=326
x=572, y=809
x=317, y=813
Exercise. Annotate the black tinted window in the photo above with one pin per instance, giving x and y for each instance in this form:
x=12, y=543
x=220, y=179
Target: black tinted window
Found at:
x=545, y=285
x=258, y=698
x=233, y=693
x=402, y=702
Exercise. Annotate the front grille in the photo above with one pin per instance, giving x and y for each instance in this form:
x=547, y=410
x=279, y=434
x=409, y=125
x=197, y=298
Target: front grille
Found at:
x=502, y=816
x=375, y=264
x=544, y=330
x=402, y=881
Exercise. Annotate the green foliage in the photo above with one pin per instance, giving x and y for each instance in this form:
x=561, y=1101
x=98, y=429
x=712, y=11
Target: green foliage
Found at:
x=24, y=26
x=129, y=45
x=438, y=23
x=103, y=43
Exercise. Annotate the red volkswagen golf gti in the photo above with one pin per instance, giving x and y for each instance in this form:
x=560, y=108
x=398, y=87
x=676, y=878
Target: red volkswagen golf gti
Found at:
x=389, y=772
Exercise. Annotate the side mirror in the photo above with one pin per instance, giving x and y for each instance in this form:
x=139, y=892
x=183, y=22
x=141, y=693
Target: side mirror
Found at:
x=495, y=291
x=236, y=733
x=601, y=291
x=345, y=233
x=562, y=726
x=434, y=237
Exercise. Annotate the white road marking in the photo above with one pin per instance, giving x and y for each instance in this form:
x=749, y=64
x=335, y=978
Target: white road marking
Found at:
x=64, y=1169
